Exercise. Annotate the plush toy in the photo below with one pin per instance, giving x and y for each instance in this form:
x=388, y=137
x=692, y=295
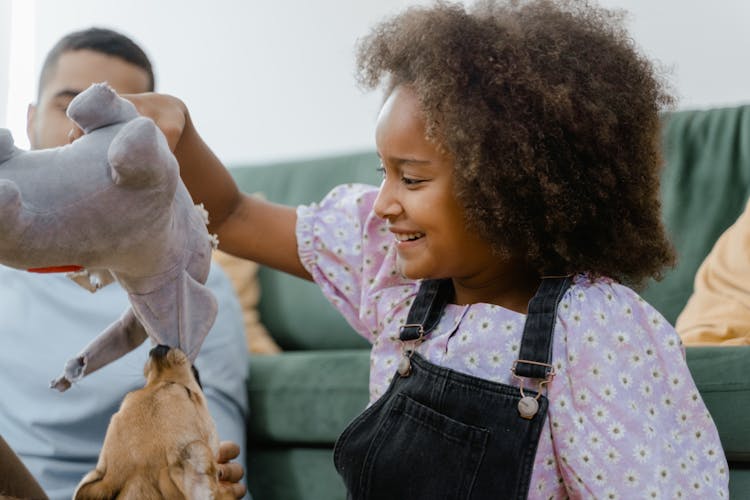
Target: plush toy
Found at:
x=111, y=206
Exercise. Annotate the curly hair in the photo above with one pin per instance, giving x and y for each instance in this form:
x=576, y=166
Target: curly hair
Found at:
x=552, y=117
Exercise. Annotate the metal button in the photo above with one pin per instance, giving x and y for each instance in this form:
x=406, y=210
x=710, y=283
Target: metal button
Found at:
x=528, y=407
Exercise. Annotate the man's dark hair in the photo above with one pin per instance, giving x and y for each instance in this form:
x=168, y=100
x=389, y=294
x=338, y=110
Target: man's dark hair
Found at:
x=100, y=40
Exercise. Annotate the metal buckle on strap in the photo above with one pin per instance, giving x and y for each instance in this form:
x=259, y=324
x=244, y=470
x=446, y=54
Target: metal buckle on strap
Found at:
x=529, y=406
x=550, y=374
x=408, y=346
x=418, y=326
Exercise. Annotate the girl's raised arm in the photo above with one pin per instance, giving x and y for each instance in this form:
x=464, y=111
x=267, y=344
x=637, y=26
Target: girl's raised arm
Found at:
x=246, y=226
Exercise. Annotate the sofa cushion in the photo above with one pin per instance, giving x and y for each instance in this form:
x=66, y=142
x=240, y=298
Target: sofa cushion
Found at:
x=295, y=312
x=306, y=398
x=721, y=374
x=739, y=483
x=705, y=184
x=294, y=473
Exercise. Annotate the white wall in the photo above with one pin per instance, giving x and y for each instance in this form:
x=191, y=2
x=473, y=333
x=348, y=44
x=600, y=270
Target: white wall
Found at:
x=4, y=58
x=274, y=80
x=705, y=45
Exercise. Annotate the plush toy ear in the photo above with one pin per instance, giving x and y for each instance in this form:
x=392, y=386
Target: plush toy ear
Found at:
x=139, y=156
x=99, y=106
x=7, y=146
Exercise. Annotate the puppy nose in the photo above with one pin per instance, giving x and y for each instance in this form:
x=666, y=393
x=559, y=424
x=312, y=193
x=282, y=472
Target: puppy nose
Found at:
x=159, y=351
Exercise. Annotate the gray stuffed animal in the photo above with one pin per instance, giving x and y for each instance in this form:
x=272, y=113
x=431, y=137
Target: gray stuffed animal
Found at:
x=112, y=206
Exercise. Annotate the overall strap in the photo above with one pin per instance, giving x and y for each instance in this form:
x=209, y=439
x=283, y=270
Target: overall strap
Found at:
x=427, y=308
x=535, y=354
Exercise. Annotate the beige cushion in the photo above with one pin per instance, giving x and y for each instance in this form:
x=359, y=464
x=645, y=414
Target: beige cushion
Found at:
x=244, y=277
x=718, y=312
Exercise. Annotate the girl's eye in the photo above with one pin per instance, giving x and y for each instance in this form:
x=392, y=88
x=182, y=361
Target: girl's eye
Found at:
x=408, y=181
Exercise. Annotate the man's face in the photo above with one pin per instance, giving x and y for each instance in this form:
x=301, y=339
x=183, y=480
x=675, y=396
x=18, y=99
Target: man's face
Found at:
x=47, y=124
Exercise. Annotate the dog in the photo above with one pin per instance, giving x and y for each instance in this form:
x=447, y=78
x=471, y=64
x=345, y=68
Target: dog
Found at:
x=162, y=443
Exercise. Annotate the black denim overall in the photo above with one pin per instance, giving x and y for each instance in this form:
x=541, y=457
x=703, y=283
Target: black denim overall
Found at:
x=440, y=434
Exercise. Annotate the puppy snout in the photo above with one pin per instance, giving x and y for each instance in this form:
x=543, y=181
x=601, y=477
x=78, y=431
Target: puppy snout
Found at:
x=165, y=359
x=159, y=352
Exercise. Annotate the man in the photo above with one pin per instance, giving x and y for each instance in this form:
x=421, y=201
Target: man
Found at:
x=48, y=318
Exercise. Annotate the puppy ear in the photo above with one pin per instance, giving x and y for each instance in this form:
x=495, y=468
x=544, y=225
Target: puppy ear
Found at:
x=194, y=472
x=95, y=486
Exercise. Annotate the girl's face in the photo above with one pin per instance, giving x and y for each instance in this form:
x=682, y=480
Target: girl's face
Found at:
x=417, y=199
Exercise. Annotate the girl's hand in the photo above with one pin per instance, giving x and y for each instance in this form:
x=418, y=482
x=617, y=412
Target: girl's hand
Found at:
x=230, y=473
x=168, y=112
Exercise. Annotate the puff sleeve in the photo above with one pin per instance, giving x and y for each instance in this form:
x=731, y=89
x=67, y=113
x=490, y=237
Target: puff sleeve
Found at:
x=347, y=249
x=626, y=418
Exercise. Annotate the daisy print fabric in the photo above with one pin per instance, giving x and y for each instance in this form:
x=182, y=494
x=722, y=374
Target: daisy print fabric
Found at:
x=625, y=419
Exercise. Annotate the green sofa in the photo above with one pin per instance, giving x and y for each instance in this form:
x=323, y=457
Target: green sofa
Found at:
x=302, y=399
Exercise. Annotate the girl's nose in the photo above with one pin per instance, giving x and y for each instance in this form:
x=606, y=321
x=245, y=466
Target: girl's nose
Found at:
x=386, y=204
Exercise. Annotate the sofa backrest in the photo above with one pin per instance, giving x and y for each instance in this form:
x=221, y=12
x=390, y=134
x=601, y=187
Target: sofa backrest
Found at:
x=705, y=185
x=295, y=312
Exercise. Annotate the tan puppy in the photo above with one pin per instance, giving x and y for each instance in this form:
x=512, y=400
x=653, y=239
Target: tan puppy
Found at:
x=162, y=443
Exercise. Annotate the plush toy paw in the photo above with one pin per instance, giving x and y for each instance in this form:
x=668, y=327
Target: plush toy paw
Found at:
x=72, y=373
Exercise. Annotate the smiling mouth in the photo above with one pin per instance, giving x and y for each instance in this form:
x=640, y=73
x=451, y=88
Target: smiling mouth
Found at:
x=408, y=237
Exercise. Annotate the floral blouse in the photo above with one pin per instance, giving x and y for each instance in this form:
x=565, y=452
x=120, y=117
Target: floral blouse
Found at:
x=625, y=418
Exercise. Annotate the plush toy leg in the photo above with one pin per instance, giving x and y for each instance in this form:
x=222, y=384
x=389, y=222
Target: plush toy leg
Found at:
x=118, y=339
x=183, y=306
x=139, y=156
x=99, y=106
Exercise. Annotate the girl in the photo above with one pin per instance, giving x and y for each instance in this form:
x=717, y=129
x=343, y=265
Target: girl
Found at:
x=519, y=148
